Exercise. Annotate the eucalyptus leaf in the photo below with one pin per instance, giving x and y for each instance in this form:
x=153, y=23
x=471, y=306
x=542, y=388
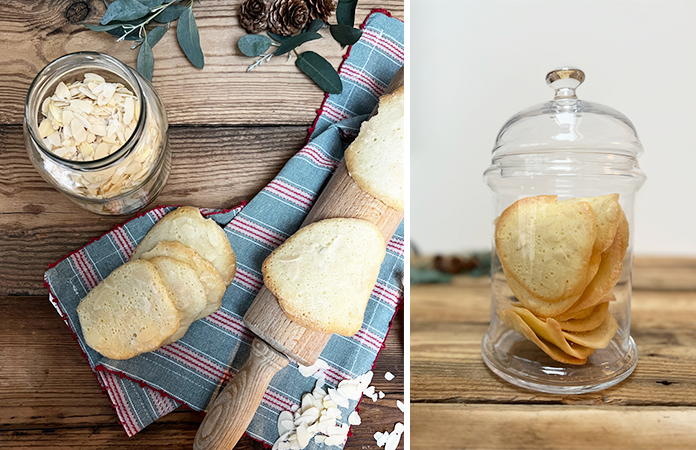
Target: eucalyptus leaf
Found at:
x=108, y=27
x=345, y=35
x=154, y=35
x=170, y=13
x=295, y=41
x=278, y=38
x=146, y=61
x=189, y=40
x=120, y=31
x=320, y=71
x=124, y=10
x=315, y=26
x=345, y=12
x=151, y=3
x=254, y=44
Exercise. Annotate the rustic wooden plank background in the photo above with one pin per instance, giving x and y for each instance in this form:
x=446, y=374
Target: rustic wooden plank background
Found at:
x=231, y=132
x=456, y=402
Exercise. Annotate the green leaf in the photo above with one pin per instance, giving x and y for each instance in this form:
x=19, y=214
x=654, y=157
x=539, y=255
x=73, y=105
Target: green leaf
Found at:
x=151, y=3
x=187, y=34
x=345, y=12
x=170, y=13
x=253, y=44
x=345, y=35
x=278, y=38
x=146, y=61
x=295, y=41
x=111, y=26
x=124, y=10
x=320, y=71
x=120, y=31
x=154, y=36
x=315, y=26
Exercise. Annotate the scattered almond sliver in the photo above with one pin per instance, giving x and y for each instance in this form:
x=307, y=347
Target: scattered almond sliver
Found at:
x=390, y=440
x=308, y=371
x=316, y=416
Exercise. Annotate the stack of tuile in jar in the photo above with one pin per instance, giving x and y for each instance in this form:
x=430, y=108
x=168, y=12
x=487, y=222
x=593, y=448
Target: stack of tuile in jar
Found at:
x=561, y=260
x=89, y=120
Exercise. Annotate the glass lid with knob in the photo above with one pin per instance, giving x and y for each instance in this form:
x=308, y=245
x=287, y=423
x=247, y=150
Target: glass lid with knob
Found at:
x=567, y=123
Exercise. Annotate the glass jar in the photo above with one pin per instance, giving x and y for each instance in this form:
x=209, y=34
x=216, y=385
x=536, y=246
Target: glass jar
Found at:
x=124, y=181
x=564, y=175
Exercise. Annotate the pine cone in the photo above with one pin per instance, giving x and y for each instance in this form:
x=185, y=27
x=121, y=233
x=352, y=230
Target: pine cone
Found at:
x=287, y=17
x=254, y=15
x=321, y=9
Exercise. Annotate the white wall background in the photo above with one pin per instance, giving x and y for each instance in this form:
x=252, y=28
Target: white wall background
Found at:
x=476, y=63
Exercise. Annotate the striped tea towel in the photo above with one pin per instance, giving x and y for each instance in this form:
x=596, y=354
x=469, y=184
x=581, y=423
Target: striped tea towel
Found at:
x=191, y=370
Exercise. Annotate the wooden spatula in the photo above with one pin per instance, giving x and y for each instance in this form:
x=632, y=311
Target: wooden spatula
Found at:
x=234, y=408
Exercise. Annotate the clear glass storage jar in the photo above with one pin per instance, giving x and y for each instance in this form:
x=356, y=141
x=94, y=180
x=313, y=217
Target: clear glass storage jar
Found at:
x=130, y=176
x=564, y=176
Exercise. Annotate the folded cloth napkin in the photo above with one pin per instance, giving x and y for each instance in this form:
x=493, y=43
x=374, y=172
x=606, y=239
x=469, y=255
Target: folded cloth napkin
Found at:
x=192, y=370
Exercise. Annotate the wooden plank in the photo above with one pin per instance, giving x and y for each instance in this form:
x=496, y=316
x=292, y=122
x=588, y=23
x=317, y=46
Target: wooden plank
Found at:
x=669, y=274
x=551, y=427
x=467, y=299
x=449, y=321
x=49, y=396
x=35, y=33
x=217, y=167
x=446, y=366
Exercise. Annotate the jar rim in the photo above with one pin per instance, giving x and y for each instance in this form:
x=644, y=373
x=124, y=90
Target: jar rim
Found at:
x=43, y=78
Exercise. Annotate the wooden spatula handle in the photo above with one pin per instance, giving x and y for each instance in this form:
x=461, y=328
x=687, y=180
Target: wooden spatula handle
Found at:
x=234, y=408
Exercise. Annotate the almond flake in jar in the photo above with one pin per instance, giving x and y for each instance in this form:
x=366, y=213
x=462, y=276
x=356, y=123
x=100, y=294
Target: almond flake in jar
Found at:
x=91, y=119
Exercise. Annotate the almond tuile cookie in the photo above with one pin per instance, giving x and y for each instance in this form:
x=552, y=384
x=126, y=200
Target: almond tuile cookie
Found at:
x=184, y=288
x=547, y=246
x=597, y=338
x=129, y=312
x=592, y=321
x=516, y=323
x=186, y=226
x=212, y=282
x=608, y=212
x=375, y=159
x=550, y=309
x=610, y=270
x=324, y=273
x=550, y=331
x=583, y=313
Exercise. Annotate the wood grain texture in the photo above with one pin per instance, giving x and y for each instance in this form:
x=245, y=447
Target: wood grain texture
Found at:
x=234, y=408
x=267, y=320
x=49, y=398
x=450, y=382
x=211, y=166
x=36, y=33
x=551, y=427
x=344, y=198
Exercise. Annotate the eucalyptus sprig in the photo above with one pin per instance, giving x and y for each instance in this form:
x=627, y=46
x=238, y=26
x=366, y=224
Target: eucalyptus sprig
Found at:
x=133, y=20
x=311, y=63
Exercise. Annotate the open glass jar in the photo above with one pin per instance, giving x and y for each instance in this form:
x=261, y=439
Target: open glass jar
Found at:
x=564, y=176
x=115, y=158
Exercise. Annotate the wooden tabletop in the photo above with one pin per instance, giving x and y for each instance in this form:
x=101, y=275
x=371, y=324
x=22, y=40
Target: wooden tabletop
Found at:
x=458, y=403
x=231, y=132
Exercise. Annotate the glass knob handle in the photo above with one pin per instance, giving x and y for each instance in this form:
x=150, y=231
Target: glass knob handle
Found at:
x=565, y=81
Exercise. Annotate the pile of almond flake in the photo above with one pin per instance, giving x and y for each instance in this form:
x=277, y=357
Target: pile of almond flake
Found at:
x=317, y=416
x=88, y=120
